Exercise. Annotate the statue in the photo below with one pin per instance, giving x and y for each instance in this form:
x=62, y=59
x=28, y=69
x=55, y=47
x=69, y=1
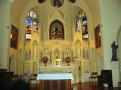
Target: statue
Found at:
x=114, y=51
x=58, y=61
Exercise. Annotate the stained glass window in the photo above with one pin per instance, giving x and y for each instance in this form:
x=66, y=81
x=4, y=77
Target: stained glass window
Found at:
x=78, y=22
x=82, y=25
x=31, y=24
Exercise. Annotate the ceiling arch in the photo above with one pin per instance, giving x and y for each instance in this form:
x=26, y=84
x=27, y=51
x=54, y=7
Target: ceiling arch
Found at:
x=18, y=7
x=94, y=8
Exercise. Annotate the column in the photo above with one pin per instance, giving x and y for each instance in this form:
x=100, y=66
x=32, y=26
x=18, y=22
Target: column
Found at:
x=5, y=6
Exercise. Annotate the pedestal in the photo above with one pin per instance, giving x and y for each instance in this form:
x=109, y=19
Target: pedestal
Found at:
x=115, y=72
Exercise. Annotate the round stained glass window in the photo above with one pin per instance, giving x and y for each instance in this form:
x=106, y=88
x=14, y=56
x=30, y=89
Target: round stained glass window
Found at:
x=57, y=3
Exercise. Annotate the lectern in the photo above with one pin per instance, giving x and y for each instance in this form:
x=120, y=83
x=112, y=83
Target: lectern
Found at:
x=55, y=81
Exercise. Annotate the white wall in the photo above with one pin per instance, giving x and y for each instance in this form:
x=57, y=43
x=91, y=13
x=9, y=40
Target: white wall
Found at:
x=111, y=21
x=4, y=32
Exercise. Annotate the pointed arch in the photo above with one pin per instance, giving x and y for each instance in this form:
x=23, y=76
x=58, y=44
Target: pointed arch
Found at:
x=46, y=52
x=83, y=53
x=87, y=54
x=78, y=43
x=57, y=12
x=56, y=53
x=82, y=25
x=35, y=43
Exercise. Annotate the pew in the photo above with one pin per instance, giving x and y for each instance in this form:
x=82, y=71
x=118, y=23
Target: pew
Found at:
x=5, y=80
x=8, y=81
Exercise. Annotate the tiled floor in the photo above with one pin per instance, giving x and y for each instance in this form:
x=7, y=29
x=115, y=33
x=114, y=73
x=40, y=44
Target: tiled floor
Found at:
x=82, y=86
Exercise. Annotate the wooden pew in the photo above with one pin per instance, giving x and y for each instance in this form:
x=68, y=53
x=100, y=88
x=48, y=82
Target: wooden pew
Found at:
x=5, y=80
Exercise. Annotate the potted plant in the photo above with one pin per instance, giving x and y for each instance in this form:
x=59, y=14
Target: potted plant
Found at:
x=45, y=60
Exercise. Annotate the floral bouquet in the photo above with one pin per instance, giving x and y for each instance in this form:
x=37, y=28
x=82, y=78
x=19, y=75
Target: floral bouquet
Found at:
x=68, y=59
x=45, y=59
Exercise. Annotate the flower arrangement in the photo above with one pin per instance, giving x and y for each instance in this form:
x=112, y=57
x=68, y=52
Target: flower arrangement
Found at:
x=68, y=59
x=45, y=59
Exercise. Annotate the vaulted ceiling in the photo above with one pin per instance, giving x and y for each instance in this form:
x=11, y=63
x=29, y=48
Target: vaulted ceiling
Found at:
x=18, y=7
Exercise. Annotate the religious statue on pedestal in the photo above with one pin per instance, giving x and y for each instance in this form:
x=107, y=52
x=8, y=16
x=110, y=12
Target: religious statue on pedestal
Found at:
x=58, y=61
x=68, y=60
x=114, y=51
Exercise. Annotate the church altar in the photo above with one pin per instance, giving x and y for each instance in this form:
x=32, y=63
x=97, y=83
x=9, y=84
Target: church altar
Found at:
x=60, y=69
x=77, y=68
x=55, y=81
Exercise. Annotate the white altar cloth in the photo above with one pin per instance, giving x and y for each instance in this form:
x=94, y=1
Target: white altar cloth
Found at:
x=54, y=76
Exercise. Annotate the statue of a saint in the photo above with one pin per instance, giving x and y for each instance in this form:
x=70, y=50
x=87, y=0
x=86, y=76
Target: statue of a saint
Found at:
x=114, y=51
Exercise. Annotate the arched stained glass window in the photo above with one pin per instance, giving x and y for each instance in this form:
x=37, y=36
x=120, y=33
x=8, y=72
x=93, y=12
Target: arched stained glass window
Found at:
x=31, y=24
x=78, y=22
x=82, y=24
x=84, y=27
